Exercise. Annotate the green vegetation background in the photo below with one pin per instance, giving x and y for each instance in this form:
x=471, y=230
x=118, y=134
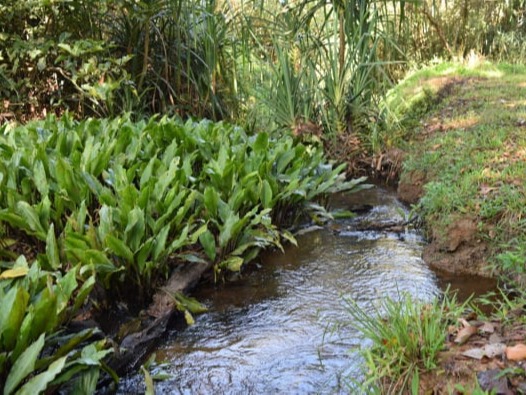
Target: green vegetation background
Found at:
x=117, y=200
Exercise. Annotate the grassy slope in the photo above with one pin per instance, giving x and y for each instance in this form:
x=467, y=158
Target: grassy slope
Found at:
x=465, y=128
x=470, y=140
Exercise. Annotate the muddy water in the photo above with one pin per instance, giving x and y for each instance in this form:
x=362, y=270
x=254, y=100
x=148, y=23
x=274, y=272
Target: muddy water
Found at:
x=270, y=332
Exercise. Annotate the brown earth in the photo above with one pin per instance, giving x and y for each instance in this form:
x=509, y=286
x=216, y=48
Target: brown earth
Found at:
x=460, y=249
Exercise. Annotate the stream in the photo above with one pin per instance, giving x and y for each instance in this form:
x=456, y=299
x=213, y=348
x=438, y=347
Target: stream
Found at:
x=271, y=331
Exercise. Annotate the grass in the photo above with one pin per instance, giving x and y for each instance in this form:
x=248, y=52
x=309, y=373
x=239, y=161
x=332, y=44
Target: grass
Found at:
x=406, y=337
x=464, y=128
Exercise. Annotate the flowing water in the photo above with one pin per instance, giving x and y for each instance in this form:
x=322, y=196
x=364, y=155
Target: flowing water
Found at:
x=272, y=331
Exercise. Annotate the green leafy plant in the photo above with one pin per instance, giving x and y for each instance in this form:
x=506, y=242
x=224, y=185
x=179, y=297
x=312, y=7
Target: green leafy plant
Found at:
x=35, y=354
x=129, y=199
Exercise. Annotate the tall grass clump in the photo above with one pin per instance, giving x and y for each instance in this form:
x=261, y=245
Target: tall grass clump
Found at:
x=405, y=337
x=325, y=69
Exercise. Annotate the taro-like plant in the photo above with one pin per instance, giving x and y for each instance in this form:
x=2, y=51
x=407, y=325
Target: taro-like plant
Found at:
x=128, y=199
x=35, y=353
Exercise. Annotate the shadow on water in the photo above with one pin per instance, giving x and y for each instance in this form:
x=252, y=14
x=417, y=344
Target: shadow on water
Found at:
x=267, y=332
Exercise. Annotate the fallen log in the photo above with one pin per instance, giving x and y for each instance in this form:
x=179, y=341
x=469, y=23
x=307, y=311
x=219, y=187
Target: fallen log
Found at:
x=135, y=347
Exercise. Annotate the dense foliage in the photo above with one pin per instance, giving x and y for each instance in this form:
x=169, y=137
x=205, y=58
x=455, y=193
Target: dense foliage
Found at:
x=120, y=203
x=314, y=66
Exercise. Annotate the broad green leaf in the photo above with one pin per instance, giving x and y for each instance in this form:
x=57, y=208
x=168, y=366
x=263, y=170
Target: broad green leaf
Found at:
x=23, y=366
x=232, y=263
x=81, y=217
x=188, y=318
x=195, y=236
x=147, y=173
x=181, y=241
x=261, y=143
x=14, y=273
x=52, y=249
x=189, y=303
x=29, y=214
x=208, y=242
x=74, y=240
x=15, y=220
x=190, y=200
x=119, y=248
x=68, y=343
x=211, y=200
x=135, y=228
x=45, y=313
x=40, y=382
x=168, y=214
x=289, y=237
x=84, y=292
x=95, y=258
x=105, y=222
x=65, y=288
x=252, y=254
x=12, y=312
x=66, y=179
x=226, y=234
x=160, y=242
x=148, y=382
x=341, y=214
x=143, y=254
x=284, y=160
x=92, y=356
x=93, y=184
x=39, y=175
x=266, y=195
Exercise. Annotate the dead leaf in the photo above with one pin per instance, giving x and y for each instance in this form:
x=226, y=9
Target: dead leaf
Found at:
x=516, y=353
x=489, y=351
x=475, y=353
x=494, y=350
x=494, y=381
x=485, y=189
x=465, y=333
x=14, y=273
x=487, y=327
x=495, y=338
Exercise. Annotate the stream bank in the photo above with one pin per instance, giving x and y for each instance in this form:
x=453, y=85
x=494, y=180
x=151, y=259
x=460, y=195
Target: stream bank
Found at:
x=463, y=168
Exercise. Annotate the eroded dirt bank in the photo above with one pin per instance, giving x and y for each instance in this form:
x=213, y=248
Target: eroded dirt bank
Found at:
x=458, y=249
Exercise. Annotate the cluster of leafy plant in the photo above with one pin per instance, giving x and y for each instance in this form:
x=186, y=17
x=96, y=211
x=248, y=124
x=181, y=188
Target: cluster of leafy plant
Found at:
x=120, y=203
x=35, y=354
x=123, y=197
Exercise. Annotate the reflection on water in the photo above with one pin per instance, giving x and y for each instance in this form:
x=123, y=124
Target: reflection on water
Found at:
x=267, y=333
